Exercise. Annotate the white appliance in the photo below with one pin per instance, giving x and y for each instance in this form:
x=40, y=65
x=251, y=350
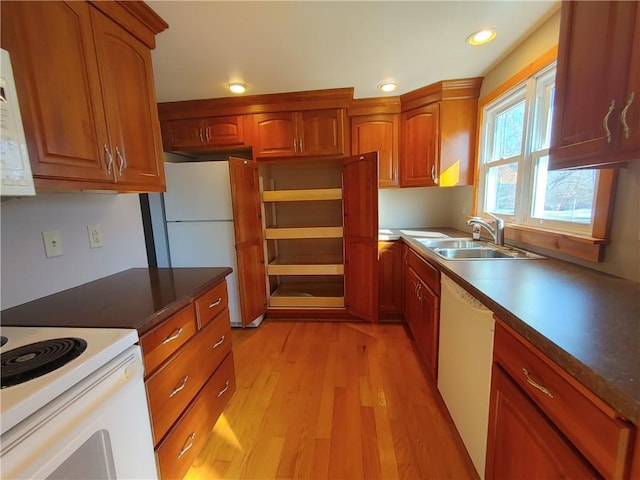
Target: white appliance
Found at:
x=84, y=415
x=15, y=169
x=465, y=356
x=199, y=222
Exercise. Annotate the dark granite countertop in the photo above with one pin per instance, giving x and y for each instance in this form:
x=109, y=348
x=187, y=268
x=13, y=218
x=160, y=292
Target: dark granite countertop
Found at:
x=137, y=298
x=586, y=321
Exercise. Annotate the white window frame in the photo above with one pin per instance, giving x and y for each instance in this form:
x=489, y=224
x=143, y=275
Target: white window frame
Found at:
x=536, y=91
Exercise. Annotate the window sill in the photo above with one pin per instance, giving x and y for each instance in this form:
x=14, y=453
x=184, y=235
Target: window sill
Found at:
x=579, y=246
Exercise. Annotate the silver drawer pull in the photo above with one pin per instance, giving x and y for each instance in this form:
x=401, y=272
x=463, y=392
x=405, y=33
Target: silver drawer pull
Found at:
x=182, y=385
x=173, y=336
x=188, y=444
x=109, y=159
x=216, y=303
x=544, y=390
x=623, y=115
x=226, y=387
x=219, y=342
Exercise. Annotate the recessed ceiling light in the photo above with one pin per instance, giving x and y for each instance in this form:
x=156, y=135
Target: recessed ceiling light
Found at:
x=481, y=37
x=388, y=86
x=238, y=87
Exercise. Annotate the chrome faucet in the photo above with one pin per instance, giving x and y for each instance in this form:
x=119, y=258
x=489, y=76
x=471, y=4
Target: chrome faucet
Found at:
x=497, y=232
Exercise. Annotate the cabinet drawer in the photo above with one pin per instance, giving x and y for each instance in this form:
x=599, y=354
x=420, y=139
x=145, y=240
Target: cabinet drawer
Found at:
x=429, y=274
x=592, y=426
x=174, y=385
x=175, y=455
x=211, y=303
x=161, y=342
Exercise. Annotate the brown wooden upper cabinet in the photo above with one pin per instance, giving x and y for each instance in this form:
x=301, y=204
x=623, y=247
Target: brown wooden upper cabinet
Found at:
x=302, y=133
x=378, y=132
x=596, y=115
x=194, y=134
x=438, y=134
x=87, y=95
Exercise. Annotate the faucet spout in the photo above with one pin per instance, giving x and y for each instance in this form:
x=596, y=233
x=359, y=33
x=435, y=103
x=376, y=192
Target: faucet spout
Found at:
x=496, y=231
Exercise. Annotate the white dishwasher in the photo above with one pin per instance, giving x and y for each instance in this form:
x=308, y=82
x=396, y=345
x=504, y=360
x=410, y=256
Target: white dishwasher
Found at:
x=464, y=366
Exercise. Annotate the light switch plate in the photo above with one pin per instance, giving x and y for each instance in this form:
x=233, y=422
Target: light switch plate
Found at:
x=95, y=235
x=52, y=243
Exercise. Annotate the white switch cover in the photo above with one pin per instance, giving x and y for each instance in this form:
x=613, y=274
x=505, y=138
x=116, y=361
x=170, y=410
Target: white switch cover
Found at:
x=52, y=243
x=95, y=235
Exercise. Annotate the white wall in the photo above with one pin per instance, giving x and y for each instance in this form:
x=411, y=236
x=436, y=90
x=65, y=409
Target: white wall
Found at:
x=26, y=274
x=419, y=207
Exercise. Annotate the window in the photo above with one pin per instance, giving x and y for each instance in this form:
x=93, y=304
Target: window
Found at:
x=539, y=206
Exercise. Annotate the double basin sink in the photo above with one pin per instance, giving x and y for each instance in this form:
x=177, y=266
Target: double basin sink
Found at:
x=468, y=249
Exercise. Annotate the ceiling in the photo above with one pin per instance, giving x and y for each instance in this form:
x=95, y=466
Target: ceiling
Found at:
x=308, y=45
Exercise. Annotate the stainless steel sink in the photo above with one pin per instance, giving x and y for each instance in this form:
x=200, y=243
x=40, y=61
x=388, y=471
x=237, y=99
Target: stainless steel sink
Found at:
x=451, y=243
x=468, y=249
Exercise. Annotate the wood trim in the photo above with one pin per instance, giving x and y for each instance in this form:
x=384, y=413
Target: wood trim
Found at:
x=267, y=103
x=605, y=193
x=445, y=90
x=538, y=64
x=373, y=106
x=302, y=195
x=580, y=246
x=299, y=302
x=135, y=17
x=305, y=269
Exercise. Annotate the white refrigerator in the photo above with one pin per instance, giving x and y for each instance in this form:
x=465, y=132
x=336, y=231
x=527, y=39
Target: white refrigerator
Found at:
x=198, y=221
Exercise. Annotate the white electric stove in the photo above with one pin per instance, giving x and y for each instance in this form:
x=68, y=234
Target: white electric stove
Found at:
x=84, y=414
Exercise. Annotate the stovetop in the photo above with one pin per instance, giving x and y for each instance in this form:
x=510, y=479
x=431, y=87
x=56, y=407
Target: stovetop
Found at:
x=89, y=349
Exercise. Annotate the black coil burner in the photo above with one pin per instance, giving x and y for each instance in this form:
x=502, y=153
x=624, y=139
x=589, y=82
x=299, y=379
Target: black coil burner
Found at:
x=36, y=359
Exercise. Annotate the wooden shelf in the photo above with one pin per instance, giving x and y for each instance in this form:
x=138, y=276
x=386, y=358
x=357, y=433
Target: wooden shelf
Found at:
x=275, y=233
x=302, y=195
x=306, y=265
x=309, y=294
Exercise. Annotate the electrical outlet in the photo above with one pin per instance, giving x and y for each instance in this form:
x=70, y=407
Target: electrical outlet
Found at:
x=95, y=235
x=52, y=243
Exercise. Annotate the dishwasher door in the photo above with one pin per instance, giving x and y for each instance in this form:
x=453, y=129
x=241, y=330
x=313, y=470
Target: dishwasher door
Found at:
x=464, y=366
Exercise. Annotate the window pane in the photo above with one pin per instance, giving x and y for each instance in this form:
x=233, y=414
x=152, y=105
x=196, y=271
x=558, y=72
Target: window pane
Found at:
x=565, y=196
x=508, y=132
x=500, y=193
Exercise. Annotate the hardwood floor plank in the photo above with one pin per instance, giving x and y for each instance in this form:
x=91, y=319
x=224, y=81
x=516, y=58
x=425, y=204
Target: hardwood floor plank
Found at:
x=337, y=400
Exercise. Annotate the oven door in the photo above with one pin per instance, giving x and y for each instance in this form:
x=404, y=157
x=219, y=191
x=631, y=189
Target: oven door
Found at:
x=98, y=429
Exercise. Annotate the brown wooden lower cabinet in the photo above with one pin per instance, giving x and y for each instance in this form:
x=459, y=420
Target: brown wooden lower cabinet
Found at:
x=184, y=441
x=190, y=377
x=544, y=424
x=422, y=307
x=523, y=443
x=390, y=289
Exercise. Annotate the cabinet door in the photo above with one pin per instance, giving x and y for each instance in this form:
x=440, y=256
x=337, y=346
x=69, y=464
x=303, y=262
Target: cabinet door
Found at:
x=223, y=131
x=419, y=148
x=379, y=133
x=321, y=132
x=522, y=442
x=429, y=329
x=130, y=104
x=360, y=210
x=275, y=135
x=412, y=302
x=630, y=113
x=51, y=47
x=245, y=194
x=182, y=134
x=390, y=278
x=591, y=80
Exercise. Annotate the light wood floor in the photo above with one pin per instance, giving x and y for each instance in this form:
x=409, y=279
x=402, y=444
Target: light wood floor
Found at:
x=320, y=400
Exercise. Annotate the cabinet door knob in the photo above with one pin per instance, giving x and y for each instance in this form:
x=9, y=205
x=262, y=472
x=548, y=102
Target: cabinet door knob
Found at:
x=605, y=121
x=434, y=178
x=623, y=115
